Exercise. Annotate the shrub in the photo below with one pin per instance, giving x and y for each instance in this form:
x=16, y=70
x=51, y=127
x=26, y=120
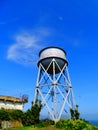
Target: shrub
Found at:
x=64, y=123
x=4, y=115
x=45, y=123
x=17, y=115
x=9, y=114
x=74, y=125
x=74, y=113
x=31, y=116
x=79, y=125
x=0, y=124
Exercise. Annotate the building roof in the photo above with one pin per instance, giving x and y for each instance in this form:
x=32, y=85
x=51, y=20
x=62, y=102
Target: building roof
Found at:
x=9, y=98
x=14, y=99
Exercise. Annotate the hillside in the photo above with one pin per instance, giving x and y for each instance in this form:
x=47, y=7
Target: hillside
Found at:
x=63, y=124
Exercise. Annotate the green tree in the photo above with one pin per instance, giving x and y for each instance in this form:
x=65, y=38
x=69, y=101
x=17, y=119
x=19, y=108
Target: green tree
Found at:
x=74, y=113
x=31, y=117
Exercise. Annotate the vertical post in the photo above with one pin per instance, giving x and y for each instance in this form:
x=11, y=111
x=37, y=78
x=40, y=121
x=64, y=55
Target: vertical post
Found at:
x=37, y=84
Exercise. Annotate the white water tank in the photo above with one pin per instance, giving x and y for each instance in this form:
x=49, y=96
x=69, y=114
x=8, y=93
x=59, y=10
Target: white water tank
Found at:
x=48, y=54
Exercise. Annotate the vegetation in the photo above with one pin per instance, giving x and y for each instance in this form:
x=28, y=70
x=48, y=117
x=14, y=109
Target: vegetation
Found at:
x=63, y=124
x=74, y=113
x=44, y=123
x=7, y=114
x=31, y=116
x=67, y=124
x=30, y=120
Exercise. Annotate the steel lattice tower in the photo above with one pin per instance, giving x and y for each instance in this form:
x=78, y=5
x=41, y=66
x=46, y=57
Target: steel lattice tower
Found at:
x=53, y=85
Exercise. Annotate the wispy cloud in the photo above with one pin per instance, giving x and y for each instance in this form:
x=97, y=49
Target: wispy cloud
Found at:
x=27, y=46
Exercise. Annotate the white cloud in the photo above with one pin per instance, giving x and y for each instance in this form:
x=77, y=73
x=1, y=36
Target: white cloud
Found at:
x=27, y=46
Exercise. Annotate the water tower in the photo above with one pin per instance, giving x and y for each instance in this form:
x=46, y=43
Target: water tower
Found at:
x=53, y=85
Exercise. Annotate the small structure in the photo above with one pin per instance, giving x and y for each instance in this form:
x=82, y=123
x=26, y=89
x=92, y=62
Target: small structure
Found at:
x=9, y=102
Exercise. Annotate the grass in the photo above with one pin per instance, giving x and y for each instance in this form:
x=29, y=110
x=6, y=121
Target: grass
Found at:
x=63, y=124
x=22, y=128
x=34, y=128
x=44, y=128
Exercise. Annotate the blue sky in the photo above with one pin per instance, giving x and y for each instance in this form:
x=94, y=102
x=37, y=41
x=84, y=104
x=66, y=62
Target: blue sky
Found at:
x=27, y=26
